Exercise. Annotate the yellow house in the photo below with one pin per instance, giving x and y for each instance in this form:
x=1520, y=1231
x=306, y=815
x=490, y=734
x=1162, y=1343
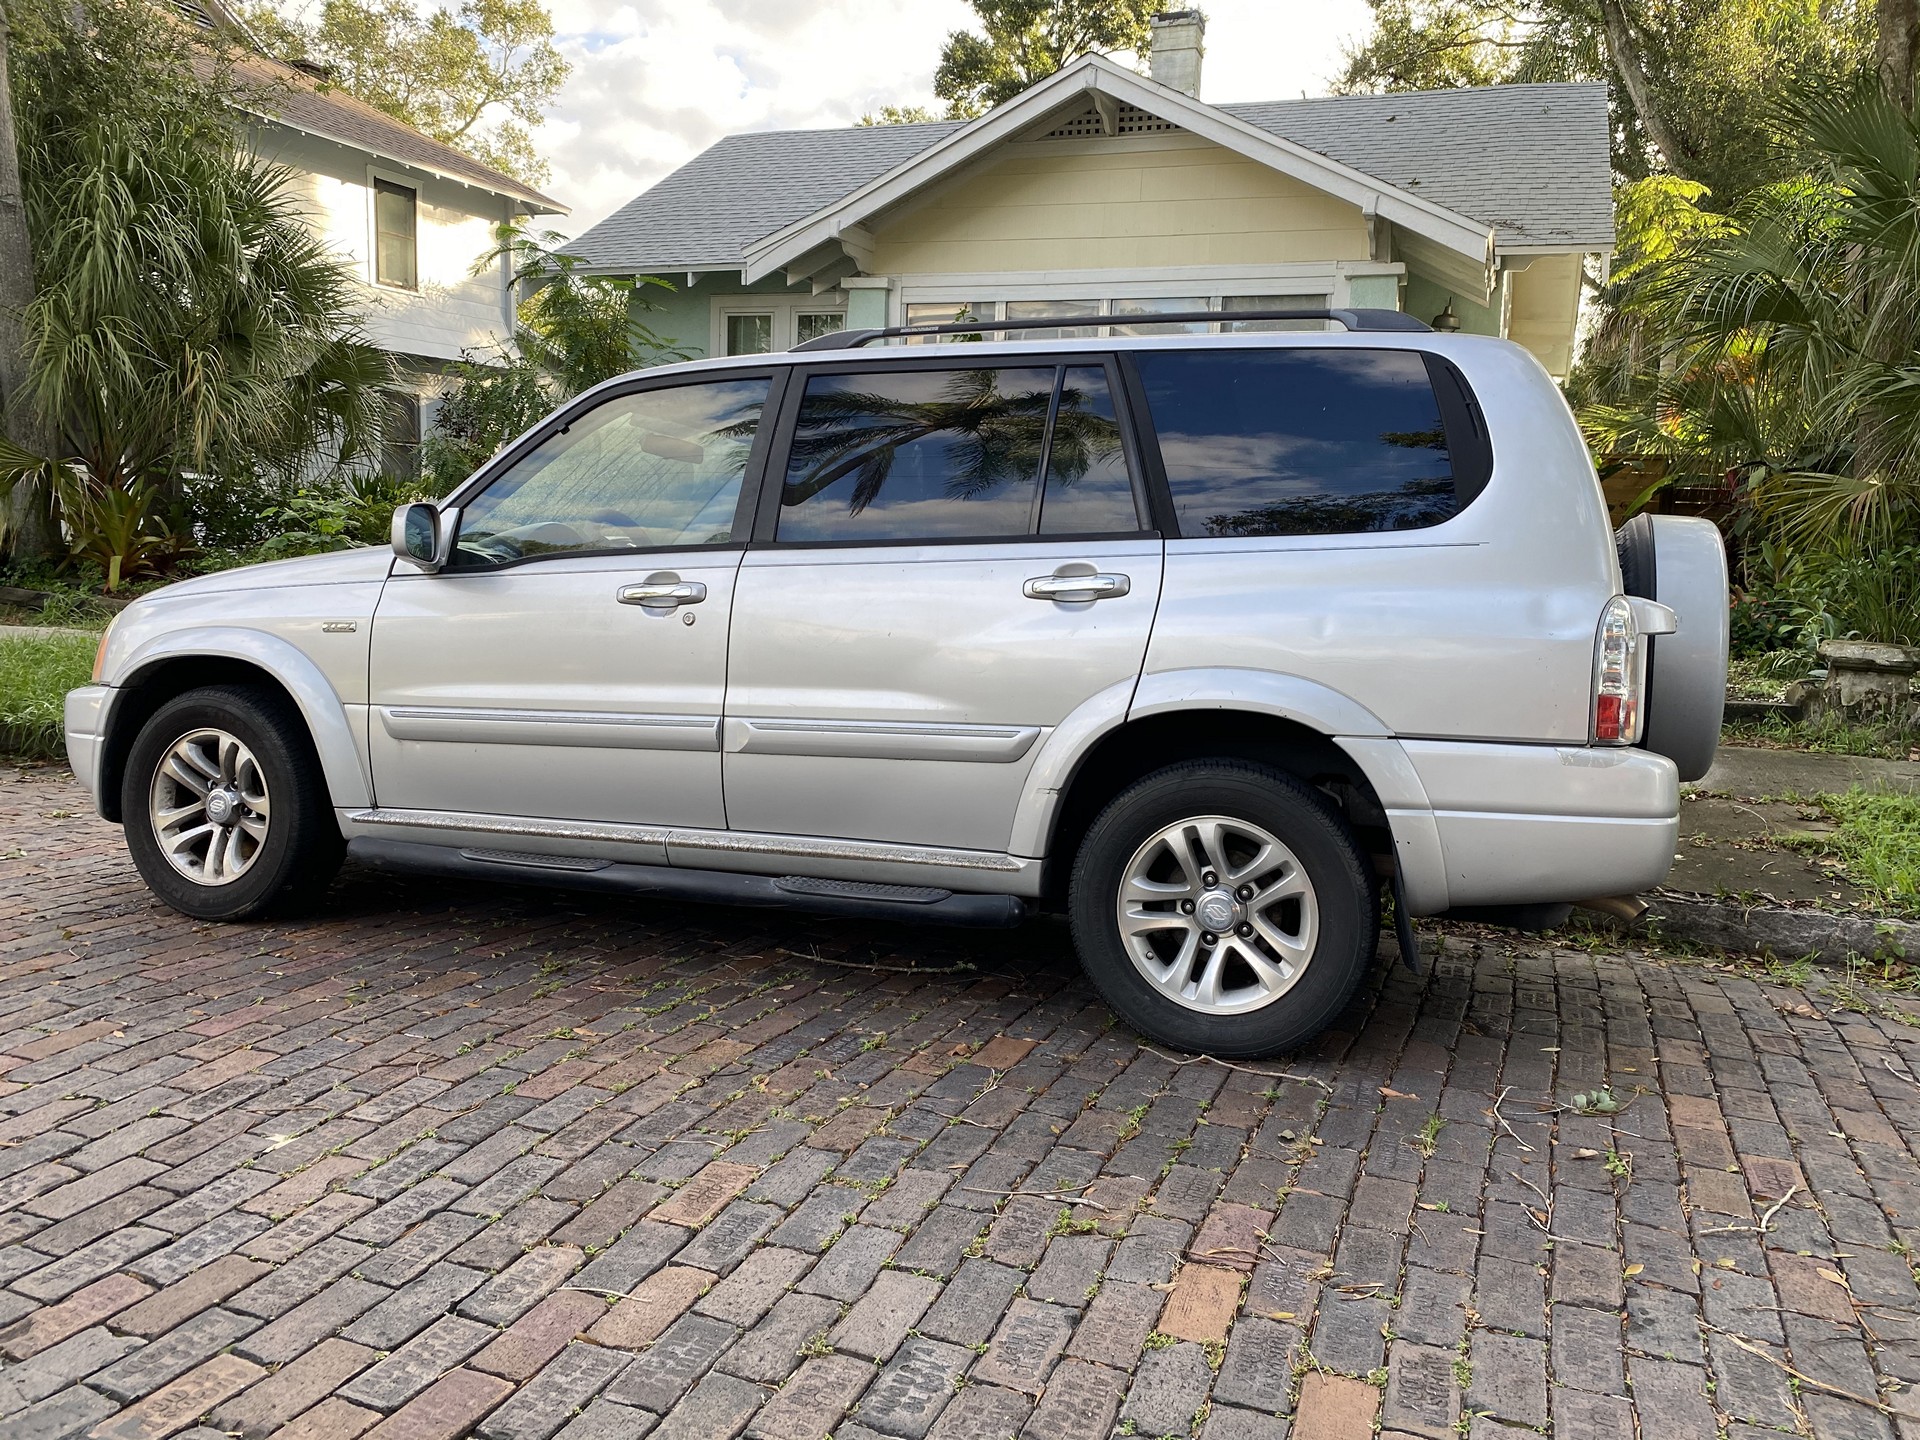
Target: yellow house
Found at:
x=1099, y=197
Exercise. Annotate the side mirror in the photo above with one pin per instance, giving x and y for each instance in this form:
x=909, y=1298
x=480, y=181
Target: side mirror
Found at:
x=423, y=535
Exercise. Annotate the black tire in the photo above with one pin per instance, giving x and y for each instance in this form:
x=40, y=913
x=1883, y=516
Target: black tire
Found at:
x=303, y=847
x=1344, y=888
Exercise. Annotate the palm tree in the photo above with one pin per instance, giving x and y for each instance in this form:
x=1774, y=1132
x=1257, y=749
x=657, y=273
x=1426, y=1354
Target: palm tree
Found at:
x=187, y=321
x=1793, y=335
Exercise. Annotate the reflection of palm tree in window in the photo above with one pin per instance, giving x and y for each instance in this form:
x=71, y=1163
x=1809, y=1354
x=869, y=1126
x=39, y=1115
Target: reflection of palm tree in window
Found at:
x=991, y=437
x=1083, y=438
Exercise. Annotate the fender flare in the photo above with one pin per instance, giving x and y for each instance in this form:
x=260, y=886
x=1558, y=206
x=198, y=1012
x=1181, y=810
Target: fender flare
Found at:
x=1358, y=731
x=320, y=705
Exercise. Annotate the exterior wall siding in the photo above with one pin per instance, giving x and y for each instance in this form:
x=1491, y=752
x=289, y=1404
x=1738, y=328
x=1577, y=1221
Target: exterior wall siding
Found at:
x=452, y=310
x=1123, y=203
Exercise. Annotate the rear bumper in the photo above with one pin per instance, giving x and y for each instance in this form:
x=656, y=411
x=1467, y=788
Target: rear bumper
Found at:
x=1523, y=823
x=86, y=717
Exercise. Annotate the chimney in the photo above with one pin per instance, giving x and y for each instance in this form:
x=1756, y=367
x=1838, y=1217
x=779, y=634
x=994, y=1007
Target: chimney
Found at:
x=1178, y=44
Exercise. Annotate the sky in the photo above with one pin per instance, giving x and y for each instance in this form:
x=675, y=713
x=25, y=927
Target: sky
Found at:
x=657, y=81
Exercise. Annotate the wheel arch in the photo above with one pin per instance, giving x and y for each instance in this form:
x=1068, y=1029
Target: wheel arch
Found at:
x=189, y=660
x=1308, y=730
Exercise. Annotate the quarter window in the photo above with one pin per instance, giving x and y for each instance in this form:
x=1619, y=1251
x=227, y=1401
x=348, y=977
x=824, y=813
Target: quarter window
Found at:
x=1088, y=489
x=659, y=469
x=1299, y=442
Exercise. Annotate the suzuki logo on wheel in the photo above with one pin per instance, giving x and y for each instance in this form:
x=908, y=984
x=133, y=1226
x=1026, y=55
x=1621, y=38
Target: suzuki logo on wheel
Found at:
x=1216, y=912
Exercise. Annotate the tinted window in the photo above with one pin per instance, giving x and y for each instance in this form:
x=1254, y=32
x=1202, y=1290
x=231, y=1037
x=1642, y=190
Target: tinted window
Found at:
x=1299, y=442
x=661, y=468
x=1088, y=489
x=916, y=455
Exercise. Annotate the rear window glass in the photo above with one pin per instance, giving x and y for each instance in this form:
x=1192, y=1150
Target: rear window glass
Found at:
x=1299, y=442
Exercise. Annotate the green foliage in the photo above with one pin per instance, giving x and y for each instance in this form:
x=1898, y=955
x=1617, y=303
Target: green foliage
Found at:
x=484, y=407
x=574, y=331
x=36, y=671
x=1877, y=843
x=1709, y=67
x=322, y=518
x=477, y=78
x=1021, y=42
x=186, y=321
x=898, y=115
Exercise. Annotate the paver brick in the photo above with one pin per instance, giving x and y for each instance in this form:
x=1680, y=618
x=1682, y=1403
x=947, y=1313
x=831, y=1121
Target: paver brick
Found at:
x=536, y=1337
x=178, y=1404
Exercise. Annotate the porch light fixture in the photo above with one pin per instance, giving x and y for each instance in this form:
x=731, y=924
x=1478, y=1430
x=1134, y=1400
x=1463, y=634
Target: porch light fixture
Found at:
x=1446, y=322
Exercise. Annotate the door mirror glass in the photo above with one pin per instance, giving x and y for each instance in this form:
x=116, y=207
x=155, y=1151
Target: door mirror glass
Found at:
x=416, y=535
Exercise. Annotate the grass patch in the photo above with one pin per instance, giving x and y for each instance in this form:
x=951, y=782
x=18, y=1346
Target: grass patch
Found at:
x=36, y=671
x=1774, y=733
x=1877, y=844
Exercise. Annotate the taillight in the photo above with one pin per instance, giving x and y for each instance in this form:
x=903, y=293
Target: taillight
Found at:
x=1619, y=675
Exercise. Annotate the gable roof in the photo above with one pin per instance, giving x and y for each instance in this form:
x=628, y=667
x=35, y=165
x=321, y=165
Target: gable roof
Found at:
x=1526, y=164
x=303, y=102
x=278, y=92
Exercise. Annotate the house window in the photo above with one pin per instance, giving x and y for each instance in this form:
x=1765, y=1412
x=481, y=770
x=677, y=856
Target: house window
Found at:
x=1055, y=309
x=1125, y=315
x=401, y=452
x=811, y=324
x=749, y=334
x=395, y=245
x=1273, y=302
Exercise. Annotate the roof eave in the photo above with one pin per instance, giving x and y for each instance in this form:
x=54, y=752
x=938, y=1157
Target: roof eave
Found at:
x=532, y=200
x=1467, y=237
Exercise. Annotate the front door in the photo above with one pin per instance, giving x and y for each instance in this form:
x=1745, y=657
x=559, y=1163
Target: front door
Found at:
x=957, y=563
x=570, y=662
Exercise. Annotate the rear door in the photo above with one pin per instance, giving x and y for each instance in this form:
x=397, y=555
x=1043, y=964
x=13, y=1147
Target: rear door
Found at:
x=951, y=558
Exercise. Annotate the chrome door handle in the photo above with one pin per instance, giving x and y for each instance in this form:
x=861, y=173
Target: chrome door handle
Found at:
x=1073, y=588
x=667, y=595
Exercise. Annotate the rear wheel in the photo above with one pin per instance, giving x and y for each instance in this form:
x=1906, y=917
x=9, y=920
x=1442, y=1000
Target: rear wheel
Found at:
x=225, y=809
x=1224, y=908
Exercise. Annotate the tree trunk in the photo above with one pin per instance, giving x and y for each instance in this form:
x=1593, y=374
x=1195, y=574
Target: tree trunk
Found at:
x=1897, y=48
x=1625, y=59
x=30, y=529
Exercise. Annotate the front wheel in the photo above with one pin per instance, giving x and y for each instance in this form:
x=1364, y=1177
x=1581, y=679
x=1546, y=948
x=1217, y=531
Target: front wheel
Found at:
x=225, y=809
x=1224, y=908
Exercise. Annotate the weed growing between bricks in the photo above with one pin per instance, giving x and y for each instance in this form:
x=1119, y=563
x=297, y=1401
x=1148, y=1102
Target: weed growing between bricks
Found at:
x=446, y=1161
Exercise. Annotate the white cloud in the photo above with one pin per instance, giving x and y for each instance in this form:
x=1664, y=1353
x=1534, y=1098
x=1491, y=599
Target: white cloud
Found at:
x=657, y=81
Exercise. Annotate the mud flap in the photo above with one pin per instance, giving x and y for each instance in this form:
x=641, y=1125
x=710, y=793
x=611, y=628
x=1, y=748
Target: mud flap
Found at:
x=1403, y=924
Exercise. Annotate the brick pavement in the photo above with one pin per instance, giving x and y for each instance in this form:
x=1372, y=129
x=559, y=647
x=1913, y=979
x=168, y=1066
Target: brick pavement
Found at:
x=449, y=1161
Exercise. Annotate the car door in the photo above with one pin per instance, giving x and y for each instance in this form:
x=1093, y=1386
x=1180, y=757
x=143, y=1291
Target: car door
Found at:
x=952, y=558
x=570, y=661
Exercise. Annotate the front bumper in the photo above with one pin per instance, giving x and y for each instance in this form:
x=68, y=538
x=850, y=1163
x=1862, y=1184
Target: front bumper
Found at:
x=86, y=718
x=1519, y=824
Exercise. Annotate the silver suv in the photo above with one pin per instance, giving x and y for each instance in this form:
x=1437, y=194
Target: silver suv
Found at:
x=1207, y=640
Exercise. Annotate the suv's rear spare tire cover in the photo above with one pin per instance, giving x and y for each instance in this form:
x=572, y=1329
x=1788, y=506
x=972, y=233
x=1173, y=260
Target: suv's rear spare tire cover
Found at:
x=1681, y=562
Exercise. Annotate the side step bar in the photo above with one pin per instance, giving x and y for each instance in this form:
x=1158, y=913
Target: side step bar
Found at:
x=916, y=903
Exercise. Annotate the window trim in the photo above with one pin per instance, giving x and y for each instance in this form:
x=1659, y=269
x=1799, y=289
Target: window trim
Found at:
x=774, y=476
x=377, y=177
x=783, y=312
x=1462, y=403
x=751, y=478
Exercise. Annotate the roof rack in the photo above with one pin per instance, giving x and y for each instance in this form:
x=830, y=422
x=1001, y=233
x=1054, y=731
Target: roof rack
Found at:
x=1356, y=320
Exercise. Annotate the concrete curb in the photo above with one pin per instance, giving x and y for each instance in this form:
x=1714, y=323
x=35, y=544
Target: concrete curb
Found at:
x=1787, y=934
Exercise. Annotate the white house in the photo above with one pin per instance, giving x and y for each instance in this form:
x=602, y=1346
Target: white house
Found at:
x=409, y=214
x=1100, y=196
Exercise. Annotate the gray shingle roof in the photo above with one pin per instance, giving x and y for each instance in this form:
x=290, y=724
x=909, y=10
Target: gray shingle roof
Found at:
x=1530, y=160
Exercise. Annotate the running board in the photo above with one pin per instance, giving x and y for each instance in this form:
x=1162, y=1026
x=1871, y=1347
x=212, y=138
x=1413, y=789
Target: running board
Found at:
x=918, y=903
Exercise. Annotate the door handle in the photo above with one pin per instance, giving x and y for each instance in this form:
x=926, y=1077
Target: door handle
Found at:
x=1073, y=588
x=663, y=595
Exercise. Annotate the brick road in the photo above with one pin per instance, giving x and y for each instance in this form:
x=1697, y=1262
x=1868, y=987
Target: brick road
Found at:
x=452, y=1161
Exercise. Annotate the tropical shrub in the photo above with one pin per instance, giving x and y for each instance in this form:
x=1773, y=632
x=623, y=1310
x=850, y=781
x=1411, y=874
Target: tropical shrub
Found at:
x=186, y=322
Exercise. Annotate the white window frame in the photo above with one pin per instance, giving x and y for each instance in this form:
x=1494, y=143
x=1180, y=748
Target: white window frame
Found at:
x=786, y=311
x=410, y=182
x=988, y=293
